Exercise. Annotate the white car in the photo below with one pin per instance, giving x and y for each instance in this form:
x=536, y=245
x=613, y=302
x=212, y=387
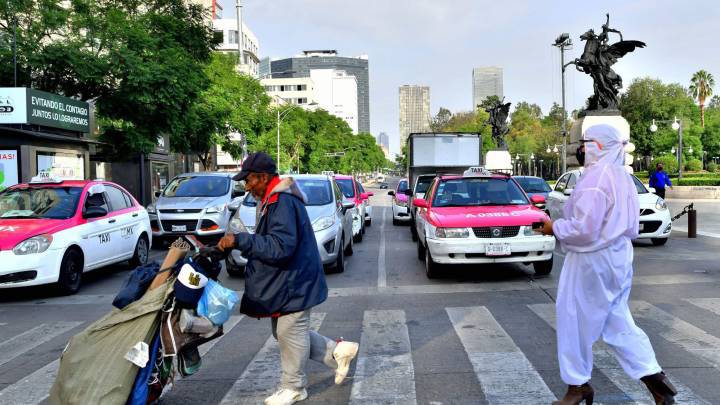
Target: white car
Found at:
x=655, y=217
x=52, y=231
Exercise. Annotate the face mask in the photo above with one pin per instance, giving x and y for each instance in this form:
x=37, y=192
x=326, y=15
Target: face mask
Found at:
x=580, y=155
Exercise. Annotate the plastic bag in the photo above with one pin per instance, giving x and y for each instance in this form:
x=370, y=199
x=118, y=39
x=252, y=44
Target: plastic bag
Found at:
x=217, y=303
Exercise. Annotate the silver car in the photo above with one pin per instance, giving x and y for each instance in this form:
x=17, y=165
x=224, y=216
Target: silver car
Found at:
x=194, y=203
x=330, y=215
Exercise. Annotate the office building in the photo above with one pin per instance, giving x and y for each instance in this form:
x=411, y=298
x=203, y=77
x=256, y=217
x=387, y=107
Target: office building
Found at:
x=486, y=81
x=264, y=68
x=383, y=140
x=414, y=110
x=228, y=29
x=337, y=93
x=302, y=65
x=290, y=90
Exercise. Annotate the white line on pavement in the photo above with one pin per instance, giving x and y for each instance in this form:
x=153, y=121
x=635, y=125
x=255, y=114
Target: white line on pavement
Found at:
x=33, y=388
x=506, y=375
x=709, y=304
x=32, y=338
x=262, y=376
x=605, y=361
x=384, y=372
x=382, y=274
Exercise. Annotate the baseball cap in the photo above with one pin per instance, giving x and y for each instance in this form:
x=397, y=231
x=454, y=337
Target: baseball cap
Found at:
x=189, y=286
x=258, y=162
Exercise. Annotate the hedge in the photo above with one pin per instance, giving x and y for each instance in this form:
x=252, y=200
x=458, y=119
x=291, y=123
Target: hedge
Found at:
x=697, y=182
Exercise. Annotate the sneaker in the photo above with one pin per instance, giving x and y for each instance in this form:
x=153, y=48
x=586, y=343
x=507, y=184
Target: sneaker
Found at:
x=286, y=396
x=344, y=354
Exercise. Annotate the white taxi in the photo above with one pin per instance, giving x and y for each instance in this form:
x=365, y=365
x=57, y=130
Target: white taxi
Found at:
x=51, y=231
x=481, y=217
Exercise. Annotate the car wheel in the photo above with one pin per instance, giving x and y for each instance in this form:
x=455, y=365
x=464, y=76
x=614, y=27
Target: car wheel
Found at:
x=359, y=237
x=71, y=269
x=142, y=251
x=420, y=251
x=349, y=250
x=396, y=222
x=340, y=262
x=431, y=268
x=659, y=241
x=233, y=270
x=543, y=268
x=368, y=222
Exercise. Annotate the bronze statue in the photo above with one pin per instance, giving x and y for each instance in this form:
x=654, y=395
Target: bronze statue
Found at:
x=498, y=122
x=597, y=59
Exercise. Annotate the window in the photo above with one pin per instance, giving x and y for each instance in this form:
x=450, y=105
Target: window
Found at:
x=302, y=87
x=533, y=185
x=302, y=100
x=232, y=37
x=318, y=192
x=39, y=202
x=402, y=186
x=96, y=200
x=338, y=193
x=116, y=198
x=346, y=185
x=66, y=166
x=470, y=191
x=198, y=186
x=571, y=182
x=638, y=185
x=560, y=186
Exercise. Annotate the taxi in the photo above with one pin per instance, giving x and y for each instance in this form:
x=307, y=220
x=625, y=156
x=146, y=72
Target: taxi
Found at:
x=481, y=217
x=353, y=191
x=52, y=230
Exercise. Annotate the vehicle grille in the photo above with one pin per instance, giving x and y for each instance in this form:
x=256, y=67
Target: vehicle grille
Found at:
x=181, y=211
x=18, y=277
x=168, y=224
x=505, y=231
x=646, y=211
x=651, y=226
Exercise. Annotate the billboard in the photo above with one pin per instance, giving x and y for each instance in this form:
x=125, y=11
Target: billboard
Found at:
x=30, y=106
x=8, y=168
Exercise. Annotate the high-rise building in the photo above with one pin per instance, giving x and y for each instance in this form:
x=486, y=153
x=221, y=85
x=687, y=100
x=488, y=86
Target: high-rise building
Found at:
x=486, y=81
x=227, y=28
x=290, y=90
x=414, y=110
x=337, y=93
x=301, y=65
x=264, y=68
x=383, y=140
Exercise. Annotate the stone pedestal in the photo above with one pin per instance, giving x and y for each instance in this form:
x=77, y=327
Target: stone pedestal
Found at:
x=499, y=160
x=609, y=117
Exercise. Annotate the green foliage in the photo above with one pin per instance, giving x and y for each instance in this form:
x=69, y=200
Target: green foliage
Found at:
x=669, y=163
x=693, y=181
x=693, y=165
x=712, y=167
x=489, y=102
x=440, y=120
x=701, y=87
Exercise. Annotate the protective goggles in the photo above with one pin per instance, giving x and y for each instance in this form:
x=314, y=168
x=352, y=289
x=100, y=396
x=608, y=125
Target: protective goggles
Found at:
x=584, y=141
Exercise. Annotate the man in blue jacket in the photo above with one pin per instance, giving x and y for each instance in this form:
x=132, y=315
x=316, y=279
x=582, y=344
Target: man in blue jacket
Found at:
x=659, y=180
x=284, y=278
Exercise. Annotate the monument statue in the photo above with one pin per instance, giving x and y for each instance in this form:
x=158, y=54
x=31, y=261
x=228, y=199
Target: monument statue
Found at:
x=498, y=121
x=597, y=59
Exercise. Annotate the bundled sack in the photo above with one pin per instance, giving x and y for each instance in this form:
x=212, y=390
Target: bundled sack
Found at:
x=93, y=367
x=217, y=303
x=136, y=284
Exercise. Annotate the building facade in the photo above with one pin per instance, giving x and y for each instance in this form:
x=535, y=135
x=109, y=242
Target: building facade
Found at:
x=264, y=68
x=383, y=140
x=301, y=65
x=228, y=29
x=290, y=90
x=486, y=82
x=337, y=93
x=414, y=110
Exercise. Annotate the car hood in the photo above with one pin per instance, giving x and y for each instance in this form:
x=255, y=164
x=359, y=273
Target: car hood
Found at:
x=471, y=217
x=14, y=231
x=164, y=203
x=317, y=211
x=647, y=200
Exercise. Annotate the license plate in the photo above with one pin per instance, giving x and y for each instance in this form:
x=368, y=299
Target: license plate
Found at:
x=497, y=249
x=179, y=228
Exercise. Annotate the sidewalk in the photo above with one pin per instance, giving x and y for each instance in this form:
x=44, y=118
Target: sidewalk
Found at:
x=708, y=216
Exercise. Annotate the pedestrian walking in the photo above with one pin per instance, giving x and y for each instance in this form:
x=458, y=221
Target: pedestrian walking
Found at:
x=601, y=220
x=284, y=278
x=659, y=180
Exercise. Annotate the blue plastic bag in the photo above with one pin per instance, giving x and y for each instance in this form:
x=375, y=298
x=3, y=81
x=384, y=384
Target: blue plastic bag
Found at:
x=217, y=303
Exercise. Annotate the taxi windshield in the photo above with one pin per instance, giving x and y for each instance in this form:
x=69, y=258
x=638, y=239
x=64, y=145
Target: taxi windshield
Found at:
x=346, y=186
x=478, y=191
x=39, y=202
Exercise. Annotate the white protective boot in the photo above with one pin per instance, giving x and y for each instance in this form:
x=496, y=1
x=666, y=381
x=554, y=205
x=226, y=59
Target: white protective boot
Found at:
x=344, y=354
x=286, y=396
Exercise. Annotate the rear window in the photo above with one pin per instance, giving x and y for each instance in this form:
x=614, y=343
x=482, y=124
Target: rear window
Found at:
x=423, y=183
x=402, y=186
x=249, y=200
x=318, y=192
x=533, y=185
x=346, y=186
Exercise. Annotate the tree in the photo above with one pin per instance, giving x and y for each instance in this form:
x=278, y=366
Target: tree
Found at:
x=489, y=102
x=701, y=87
x=714, y=102
x=141, y=62
x=470, y=121
x=440, y=120
x=532, y=110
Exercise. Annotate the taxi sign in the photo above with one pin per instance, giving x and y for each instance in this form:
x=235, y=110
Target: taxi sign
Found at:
x=328, y=173
x=45, y=177
x=477, y=171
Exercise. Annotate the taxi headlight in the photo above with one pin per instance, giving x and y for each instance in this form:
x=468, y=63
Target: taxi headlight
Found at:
x=151, y=209
x=529, y=231
x=451, y=233
x=36, y=244
x=323, y=223
x=660, y=205
x=216, y=209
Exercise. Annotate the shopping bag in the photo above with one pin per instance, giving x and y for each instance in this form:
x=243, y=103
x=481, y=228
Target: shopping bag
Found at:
x=217, y=303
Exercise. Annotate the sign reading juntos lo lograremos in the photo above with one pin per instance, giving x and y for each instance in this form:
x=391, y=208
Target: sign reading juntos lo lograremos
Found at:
x=30, y=106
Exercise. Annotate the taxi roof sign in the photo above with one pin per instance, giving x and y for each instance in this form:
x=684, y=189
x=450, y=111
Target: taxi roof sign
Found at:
x=477, y=171
x=328, y=173
x=44, y=178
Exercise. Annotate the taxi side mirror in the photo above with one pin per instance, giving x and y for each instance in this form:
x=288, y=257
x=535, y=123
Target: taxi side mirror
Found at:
x=94, y=212
x=420, y=203
x=391, y=192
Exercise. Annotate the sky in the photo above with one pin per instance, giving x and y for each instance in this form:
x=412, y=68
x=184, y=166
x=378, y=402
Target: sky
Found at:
x=437, y=43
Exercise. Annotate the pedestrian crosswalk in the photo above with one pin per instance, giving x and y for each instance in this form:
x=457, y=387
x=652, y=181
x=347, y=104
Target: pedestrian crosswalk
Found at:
x=386, y=370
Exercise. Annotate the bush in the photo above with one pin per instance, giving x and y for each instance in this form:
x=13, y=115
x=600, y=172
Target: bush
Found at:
x=668, y=161
x=693, y=165
x=712, y=167
x=698, y=182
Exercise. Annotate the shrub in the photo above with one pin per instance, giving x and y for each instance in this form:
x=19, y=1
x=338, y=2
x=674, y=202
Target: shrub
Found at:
x=668, y=161
x=712, y=167
x=699, y=182
x=693, y=165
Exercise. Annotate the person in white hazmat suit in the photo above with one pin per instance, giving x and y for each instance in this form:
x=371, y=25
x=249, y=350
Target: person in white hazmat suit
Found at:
x=601, y=219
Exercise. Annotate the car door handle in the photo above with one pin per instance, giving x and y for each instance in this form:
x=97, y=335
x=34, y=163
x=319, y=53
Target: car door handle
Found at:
x=112, y=221
x=135, y=214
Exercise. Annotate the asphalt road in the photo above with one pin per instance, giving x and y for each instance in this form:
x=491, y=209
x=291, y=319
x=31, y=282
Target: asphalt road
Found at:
x=478, y=335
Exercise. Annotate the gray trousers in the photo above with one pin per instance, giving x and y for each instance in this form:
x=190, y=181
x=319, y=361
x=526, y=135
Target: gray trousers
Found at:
x=298, y=344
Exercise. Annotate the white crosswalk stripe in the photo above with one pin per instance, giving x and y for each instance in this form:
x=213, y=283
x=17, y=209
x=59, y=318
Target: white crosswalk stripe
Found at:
x=604, y=360
x=682, y=333
x=262, y=375
x=32, y=338
x=506, y=375
x=709, y=304
x=384, y=372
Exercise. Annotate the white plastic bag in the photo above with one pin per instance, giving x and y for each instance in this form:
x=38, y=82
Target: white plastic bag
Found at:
x=217, y=303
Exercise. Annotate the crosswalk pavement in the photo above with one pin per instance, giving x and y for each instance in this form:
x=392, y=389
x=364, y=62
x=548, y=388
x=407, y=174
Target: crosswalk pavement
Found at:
x=385, y=371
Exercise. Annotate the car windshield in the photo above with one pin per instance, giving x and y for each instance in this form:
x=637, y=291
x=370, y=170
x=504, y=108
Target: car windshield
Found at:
x=639, y=186
x=249, y=200
x=533, y=184
x=346, y=186
x=422, y=184
x=318, y=192
x=39, y=202
x=466, y=191
x=197, y=186
x=402, y=186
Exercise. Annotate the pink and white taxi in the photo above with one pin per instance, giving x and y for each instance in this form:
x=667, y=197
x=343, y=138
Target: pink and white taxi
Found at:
x=51, y=231
x=480, y=217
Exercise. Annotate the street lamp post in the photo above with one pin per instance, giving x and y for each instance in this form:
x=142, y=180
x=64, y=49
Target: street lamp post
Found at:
x=563, y=42
x=676, y=125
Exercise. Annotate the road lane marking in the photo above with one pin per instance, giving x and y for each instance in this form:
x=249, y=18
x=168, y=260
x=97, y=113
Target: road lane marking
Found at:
x=384, y=372
x=605, y=361
x=382, y=274
x=708, y=304
x=32, y=338
x=262, y=376
x=506, y=375
x=681, y=333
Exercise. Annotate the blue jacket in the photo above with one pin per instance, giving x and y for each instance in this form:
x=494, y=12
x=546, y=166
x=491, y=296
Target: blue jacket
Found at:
x=659, y=180
x=284, y=272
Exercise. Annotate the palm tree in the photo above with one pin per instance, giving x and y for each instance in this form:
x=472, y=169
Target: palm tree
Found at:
x=701, y=87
